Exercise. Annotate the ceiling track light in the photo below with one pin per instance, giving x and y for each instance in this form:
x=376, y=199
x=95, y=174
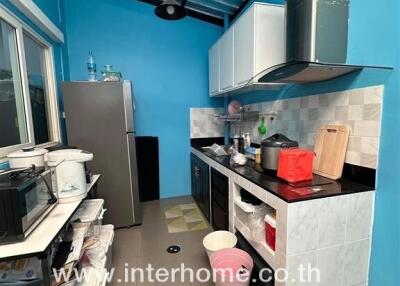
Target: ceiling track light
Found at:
x=171, y=10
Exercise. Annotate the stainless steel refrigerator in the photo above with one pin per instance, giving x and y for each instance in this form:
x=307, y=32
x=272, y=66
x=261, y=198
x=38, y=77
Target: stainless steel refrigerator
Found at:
x=100, y=119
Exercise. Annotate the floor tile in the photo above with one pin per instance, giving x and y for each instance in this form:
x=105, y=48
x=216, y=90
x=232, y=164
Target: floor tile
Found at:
x=147, y=244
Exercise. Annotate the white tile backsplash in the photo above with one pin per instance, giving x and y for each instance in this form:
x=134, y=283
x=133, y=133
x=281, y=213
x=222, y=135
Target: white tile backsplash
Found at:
x=360, y=109
x=326, y=113
x=374, y=95
x=313, y=101
x=203, y=123
x=368, y=160
x=367, y=128
x=353, y=157
x=355, y=112
x=372, y=112
x=369, y=145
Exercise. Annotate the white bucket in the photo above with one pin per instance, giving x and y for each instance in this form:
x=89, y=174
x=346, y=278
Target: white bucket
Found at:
x=218, y=240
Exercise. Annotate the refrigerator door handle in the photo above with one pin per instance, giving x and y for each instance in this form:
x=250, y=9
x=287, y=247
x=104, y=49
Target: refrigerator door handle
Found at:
x=129, y=106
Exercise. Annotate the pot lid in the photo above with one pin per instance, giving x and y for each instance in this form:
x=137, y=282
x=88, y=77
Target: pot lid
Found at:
x=27, y=152
x=279, y=140
x=69, y=155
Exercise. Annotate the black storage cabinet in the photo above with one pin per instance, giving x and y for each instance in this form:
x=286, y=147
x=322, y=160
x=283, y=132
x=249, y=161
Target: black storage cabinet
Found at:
x=200, y=184
x=220, y=201
x=147, y=155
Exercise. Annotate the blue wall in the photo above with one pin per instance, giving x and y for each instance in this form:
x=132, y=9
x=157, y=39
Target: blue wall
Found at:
x=374, y=31
x=374, y=39
x=167, y=62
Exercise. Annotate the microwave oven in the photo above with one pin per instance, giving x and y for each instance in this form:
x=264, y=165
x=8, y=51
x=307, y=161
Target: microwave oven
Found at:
x=26, y=197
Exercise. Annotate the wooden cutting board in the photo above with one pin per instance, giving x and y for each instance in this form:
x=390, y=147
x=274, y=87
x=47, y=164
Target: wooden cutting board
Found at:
x=330, y=150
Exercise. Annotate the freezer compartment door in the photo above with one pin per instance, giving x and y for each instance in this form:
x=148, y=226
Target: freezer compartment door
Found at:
x=114, y=100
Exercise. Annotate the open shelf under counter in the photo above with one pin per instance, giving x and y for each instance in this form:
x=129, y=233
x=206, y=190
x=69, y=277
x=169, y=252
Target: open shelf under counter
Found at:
x=44, y=234
x=261, y=247
x=95, y=179
x=98, y=276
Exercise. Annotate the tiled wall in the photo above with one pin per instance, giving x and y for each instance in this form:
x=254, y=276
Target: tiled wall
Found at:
x=299, y=118
x=338, y=242
x=203, y=123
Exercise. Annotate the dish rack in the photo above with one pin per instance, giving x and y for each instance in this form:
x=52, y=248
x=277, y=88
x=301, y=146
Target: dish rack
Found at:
x=241, y=116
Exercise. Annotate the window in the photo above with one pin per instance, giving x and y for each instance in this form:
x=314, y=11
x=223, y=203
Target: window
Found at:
x=12, y=112
x=35, y=66
x=28, y=100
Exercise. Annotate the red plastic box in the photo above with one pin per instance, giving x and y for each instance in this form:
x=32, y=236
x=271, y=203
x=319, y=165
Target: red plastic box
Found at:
x=295, y=165
x=270, y=231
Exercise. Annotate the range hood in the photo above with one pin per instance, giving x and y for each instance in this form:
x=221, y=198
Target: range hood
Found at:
x=316, y=43
x=305, y=72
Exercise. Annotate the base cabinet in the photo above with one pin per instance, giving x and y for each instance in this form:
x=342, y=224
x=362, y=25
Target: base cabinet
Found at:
x=219, y=200
x=200, y=185
x=324, y=233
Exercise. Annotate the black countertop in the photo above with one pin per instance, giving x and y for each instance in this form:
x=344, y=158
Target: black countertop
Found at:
x=290, y=192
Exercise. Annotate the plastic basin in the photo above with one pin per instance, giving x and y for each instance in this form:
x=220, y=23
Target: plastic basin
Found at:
x=237, y=265
x=218, y=240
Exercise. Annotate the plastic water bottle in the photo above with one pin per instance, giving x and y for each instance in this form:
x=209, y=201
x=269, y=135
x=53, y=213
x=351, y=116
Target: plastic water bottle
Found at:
x=91, y=67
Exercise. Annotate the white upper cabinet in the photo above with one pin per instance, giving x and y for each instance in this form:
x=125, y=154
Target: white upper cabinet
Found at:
x=270, y=37
x=244, y=48
x=213, y=66
x=255, y=42
x=226, y=60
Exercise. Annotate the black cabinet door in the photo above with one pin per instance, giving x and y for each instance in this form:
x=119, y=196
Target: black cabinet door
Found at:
x=205, y=189
x=200, y=185
x=220, y=200
x=220, y=219
x=195, y=171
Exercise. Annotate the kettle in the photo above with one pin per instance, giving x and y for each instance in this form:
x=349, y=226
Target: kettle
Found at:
x=69, y=178
x=270, y=148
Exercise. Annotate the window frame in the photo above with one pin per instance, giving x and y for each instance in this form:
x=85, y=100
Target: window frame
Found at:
x=52, y=108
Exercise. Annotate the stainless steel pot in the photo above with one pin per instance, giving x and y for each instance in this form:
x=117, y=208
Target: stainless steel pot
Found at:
x=270, y=148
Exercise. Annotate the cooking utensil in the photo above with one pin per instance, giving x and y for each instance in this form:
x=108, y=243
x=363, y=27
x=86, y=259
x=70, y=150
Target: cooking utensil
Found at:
x=330, y=150
x=262, y=129
x=27, y=157
x=270, y=149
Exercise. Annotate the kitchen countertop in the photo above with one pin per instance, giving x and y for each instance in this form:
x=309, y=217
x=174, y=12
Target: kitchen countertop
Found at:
x=290, y=193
